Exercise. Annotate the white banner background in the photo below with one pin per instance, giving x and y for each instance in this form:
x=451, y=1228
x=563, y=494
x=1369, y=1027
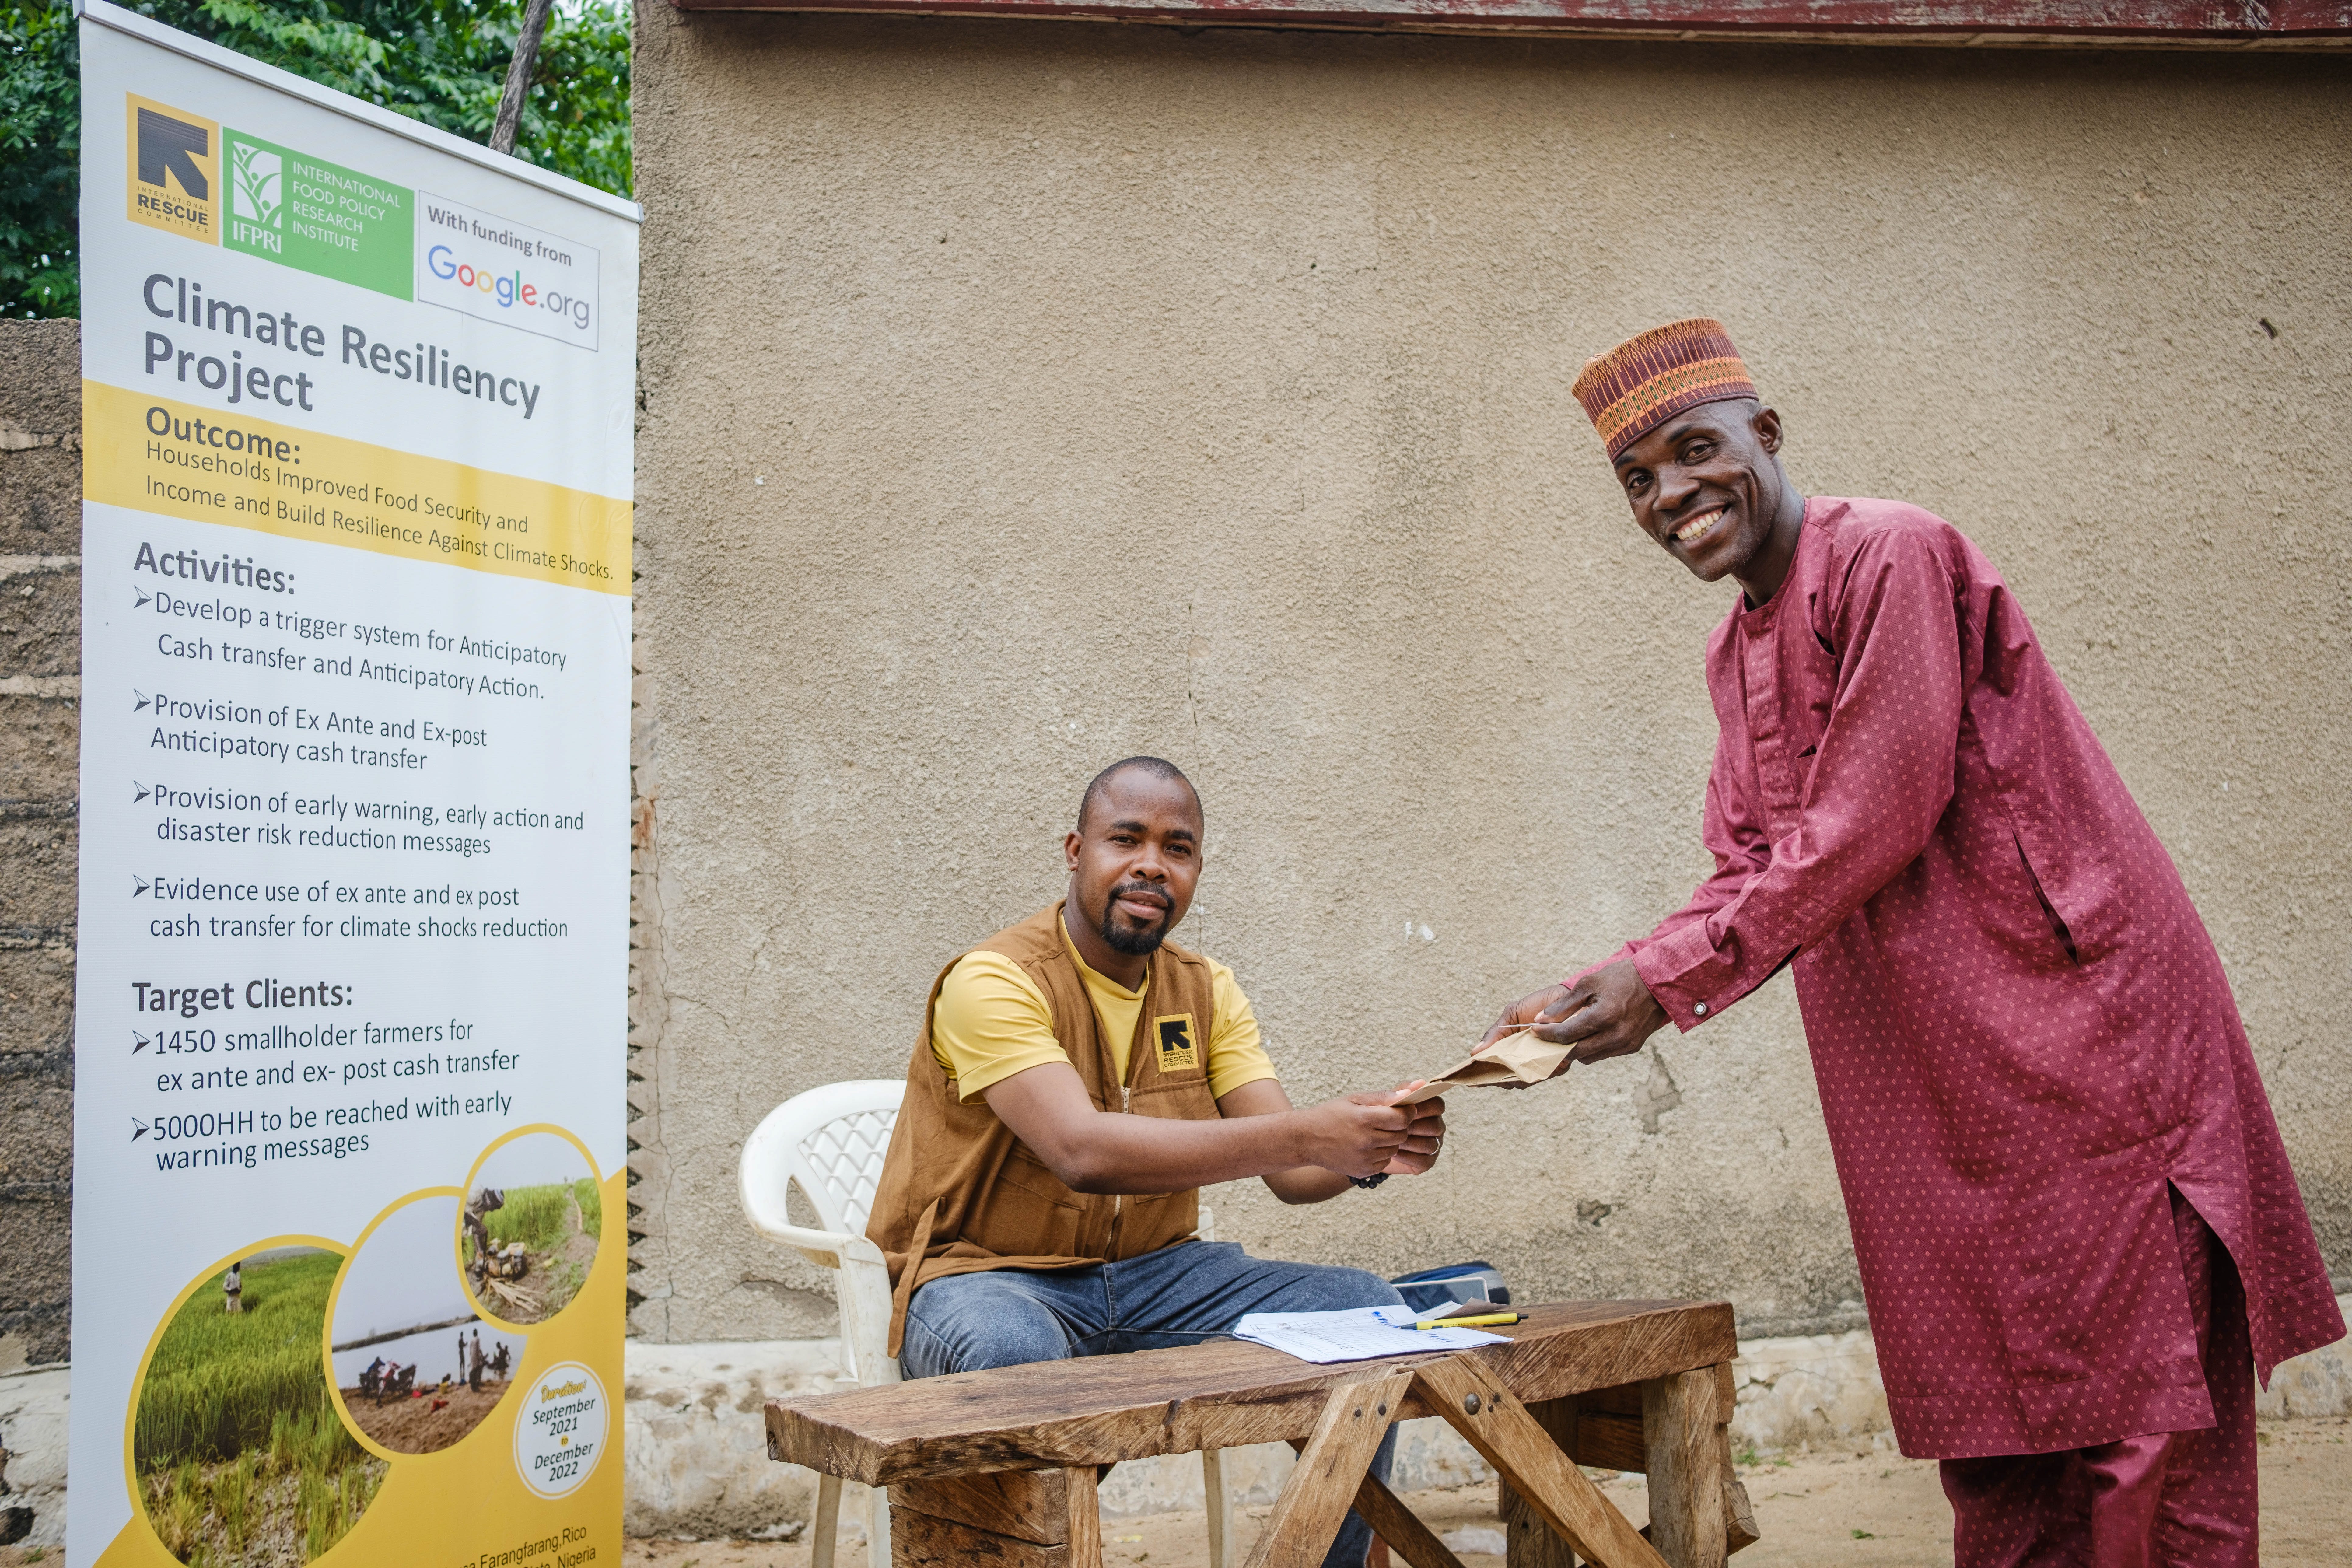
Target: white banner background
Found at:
x=536, y=968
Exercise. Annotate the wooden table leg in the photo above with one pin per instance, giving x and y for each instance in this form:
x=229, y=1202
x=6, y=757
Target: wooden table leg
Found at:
x=1460, y=1389
x=1397, y=1527
x=1085, y=1536
x=1687, y=1500
x=1738, y=1517
x=1397, y=1524
x=1331, y=1469
x=1529, y=1542
x=877, y=1525
x=828, y=1521
x=1220, y=1503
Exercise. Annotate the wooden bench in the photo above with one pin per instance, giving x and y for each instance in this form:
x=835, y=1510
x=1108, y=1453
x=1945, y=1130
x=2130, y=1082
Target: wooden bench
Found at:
x=1002, y=1467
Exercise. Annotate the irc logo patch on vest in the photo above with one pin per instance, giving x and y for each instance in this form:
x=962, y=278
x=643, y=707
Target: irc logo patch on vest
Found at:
x=1177, y=1051
x=175, y=170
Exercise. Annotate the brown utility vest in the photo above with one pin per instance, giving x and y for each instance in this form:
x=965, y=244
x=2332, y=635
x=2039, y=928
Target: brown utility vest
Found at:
x=960, y=1195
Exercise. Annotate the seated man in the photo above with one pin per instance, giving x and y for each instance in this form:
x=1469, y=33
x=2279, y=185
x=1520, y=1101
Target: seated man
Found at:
x=1077, y=1080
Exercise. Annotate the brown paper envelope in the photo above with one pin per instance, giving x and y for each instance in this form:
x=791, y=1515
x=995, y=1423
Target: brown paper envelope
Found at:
x=1515, y=1059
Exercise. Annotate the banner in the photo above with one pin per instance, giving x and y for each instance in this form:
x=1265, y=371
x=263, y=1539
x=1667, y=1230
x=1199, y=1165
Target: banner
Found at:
x=350, y=1240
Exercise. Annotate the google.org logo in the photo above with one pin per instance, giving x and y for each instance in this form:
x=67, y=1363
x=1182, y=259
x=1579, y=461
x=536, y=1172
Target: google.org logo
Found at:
x=506, y=288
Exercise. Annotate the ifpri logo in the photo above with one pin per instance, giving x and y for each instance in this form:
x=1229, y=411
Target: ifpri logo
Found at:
x=256, y=197
x=175, y=170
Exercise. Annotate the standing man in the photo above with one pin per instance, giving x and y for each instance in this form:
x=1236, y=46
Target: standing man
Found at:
x=2077, y=1231
x=1078, y=1078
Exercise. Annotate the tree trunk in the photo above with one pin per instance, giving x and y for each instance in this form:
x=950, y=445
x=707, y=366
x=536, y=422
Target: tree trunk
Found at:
x=526, y=60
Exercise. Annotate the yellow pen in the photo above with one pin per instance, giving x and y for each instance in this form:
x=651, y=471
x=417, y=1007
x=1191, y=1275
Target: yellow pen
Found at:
x=1485, y=1320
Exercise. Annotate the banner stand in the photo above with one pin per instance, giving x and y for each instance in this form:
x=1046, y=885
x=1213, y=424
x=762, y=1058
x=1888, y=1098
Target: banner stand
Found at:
x=350, y=1241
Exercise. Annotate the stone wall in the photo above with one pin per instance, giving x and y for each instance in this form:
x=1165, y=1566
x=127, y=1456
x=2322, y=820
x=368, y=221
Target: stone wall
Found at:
x=34, y=1403
x=40, y=727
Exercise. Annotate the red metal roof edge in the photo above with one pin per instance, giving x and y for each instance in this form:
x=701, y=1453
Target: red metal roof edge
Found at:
x=1923, y=20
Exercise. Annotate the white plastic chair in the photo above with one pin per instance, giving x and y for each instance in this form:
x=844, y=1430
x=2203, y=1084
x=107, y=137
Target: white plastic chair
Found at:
x=829, y=1142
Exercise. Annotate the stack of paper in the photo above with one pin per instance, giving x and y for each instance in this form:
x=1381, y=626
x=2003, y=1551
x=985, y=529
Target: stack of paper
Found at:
x=1357, y=1334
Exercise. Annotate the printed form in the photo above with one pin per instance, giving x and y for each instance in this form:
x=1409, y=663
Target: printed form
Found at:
x=1358, y=1333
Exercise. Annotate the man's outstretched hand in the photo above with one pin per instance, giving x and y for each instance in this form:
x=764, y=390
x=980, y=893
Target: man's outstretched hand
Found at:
x=1608, y=1013
x=1424, y=1136
x=1306, y=1156
x=1369, y=1134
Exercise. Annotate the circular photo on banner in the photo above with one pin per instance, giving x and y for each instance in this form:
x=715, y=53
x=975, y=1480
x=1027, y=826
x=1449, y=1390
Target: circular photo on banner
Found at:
x=415, y=1363
x=527, y=1234
x=238, y=1454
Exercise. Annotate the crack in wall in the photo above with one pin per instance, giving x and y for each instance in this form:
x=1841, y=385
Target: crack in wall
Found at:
x=1657, y=1095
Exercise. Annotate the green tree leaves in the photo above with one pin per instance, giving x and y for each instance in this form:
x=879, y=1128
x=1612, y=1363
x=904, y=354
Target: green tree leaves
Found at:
x=440, y=61
x=40, y=145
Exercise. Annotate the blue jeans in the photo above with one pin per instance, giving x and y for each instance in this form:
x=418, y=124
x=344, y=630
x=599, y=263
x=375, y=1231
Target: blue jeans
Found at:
x=1180, y=1295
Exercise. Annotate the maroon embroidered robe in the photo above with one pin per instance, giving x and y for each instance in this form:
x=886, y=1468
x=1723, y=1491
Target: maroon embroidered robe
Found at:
x=2019, y=1027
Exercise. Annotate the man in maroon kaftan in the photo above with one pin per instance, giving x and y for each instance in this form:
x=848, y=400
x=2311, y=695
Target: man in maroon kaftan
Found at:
x=2039, y=1097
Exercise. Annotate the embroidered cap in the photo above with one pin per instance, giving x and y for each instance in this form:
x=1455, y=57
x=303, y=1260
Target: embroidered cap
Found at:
x=1627, y=391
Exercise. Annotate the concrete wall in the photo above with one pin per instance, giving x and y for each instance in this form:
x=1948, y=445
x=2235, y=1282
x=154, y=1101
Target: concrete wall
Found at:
x=1020, y=396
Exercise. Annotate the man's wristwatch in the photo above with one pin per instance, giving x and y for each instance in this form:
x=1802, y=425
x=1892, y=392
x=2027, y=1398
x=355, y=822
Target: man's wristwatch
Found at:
x=1368, y=1183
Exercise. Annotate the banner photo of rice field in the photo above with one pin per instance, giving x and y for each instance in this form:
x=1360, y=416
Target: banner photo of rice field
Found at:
x=240, y=1455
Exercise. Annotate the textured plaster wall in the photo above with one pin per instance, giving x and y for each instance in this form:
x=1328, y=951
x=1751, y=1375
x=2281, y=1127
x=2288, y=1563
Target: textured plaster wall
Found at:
x=1017, y=396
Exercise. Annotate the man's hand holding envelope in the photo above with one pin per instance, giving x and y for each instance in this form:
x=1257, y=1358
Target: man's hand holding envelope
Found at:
x=1607, y=1013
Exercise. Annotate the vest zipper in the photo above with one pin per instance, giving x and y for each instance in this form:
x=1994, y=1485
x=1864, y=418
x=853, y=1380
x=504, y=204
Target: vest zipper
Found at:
x=1118, y=1200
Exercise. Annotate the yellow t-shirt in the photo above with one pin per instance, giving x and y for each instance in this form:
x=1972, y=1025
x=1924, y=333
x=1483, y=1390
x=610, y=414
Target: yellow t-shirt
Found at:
x=991, y=1022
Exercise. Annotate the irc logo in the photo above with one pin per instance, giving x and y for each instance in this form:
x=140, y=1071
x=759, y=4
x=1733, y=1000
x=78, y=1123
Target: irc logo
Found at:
x=175, y=170
x=1177, y=1052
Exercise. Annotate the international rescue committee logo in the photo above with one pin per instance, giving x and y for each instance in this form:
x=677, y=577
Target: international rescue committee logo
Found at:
x=175, y=170
x=1178, y=1052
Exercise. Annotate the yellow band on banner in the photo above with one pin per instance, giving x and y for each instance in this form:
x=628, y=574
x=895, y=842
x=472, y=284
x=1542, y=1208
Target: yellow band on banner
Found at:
x=151, y=454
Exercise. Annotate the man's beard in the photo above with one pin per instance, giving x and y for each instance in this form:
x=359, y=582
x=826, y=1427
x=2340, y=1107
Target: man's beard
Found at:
x=1135, y=943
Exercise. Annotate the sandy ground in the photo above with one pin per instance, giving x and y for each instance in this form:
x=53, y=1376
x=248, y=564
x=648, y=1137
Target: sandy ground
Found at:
x=411, y=1424
x=1864, y=1510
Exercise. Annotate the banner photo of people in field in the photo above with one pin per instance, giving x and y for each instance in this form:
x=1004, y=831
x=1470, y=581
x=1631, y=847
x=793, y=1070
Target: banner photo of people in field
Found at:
x=240, y=1453
x=411, y=1365
x=533, y=1219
